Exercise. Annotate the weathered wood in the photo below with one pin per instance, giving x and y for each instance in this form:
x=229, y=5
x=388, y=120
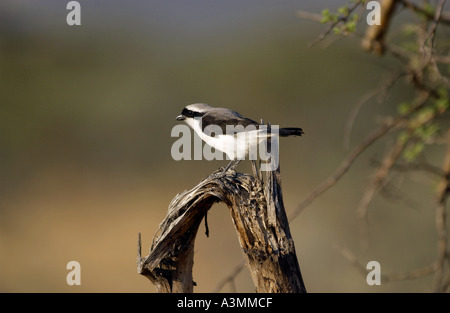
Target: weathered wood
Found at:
x=257, y=211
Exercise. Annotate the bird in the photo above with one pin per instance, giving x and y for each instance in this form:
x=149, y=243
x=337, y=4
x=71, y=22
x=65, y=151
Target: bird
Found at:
x=235, y=135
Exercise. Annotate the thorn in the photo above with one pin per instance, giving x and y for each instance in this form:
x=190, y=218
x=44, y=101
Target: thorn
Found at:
x=206, y=225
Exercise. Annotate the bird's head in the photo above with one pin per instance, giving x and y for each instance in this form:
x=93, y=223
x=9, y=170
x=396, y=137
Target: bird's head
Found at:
x=193, y=110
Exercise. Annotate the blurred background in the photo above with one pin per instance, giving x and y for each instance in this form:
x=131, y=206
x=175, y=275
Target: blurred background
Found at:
x=85, y=119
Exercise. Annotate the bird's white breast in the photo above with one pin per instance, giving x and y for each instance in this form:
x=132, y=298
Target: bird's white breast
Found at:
x=236, y=146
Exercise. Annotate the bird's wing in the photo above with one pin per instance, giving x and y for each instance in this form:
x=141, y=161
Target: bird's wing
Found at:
x=223, y=117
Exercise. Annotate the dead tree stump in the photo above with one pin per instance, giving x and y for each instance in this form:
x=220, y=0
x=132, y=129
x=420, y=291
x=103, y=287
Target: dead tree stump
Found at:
x=257, y=210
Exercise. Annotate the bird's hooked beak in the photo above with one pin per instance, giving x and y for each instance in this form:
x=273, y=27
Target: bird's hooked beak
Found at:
x=180, y=118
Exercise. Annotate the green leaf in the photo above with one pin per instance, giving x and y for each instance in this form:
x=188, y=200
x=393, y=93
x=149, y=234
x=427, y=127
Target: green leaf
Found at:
x=351, y=26
x=337, y=30
x=343, y=11
x=413, y=150
x=442, y=105
x=403, y=137
x=429, y=9
x=409, y=46
x=403, y=108
x=427, y=132
x=424, y=115
x=326, y=16
x=410, y=29
x=442, y=92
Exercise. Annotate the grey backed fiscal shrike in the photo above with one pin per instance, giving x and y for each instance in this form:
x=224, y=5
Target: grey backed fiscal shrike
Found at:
x=234, y=135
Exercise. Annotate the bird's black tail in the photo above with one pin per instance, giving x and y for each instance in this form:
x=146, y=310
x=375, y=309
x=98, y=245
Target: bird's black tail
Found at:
x=291, y=131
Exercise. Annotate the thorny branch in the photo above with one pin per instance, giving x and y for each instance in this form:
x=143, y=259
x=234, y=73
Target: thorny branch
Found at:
x=385, y=128
x=416, y=273
x=443, y=19
x=381, y=94
x=426, y=43
x=340, y=19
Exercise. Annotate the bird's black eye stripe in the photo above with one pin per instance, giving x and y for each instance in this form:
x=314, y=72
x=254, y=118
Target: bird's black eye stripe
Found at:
x=189, y=113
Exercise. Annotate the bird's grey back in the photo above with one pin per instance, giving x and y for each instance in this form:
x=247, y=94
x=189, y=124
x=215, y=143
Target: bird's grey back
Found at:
x=223, y=117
